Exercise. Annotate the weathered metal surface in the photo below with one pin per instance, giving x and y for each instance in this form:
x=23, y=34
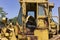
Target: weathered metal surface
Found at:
x=57, y=37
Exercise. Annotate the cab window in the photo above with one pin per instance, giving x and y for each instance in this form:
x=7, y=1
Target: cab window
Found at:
x=31, y=13
x=41, y=11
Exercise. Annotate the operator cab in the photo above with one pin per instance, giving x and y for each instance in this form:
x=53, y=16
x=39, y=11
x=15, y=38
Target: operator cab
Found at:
x=31, y=9
x=31, y=15
x=35, y=11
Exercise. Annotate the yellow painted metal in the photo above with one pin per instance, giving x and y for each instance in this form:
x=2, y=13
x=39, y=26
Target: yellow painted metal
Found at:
x=20, y=36
x=43, y=23
x=11, y=34
x=4, y=19
x=53, y=27
x=28, y=38
x=0, y=35
x=41, y=33
x=16, y=30
x=35, y=1
x=53, y=24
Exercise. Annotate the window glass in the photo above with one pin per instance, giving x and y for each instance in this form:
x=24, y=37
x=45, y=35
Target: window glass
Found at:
x=20, y=17
x=41, y=10
x=0, y=15
x=31, y=13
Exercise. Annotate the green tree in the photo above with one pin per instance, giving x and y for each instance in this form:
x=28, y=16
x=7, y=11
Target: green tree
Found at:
x=2, y=12
x=14, y=20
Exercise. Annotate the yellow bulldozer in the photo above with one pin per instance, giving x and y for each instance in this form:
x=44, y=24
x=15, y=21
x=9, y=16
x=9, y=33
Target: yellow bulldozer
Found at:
x=35, y=22
x=36, y=17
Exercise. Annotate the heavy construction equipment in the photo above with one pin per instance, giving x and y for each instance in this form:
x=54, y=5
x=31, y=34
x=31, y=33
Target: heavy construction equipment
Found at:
x=36, y=17
x=36, y=22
